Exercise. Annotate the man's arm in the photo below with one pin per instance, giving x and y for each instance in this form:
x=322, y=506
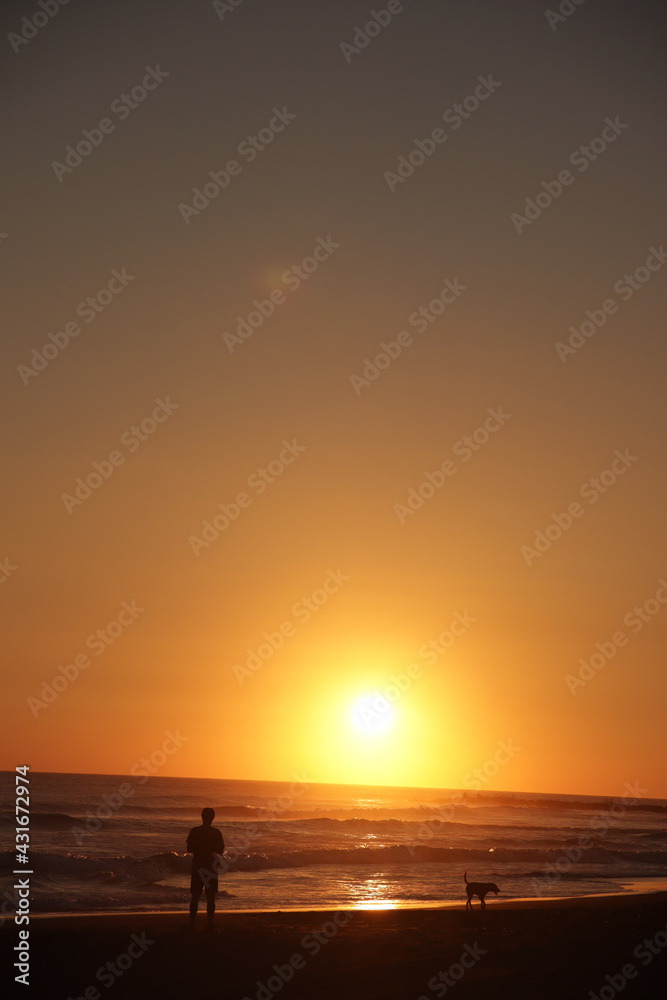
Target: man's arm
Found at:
x=221, y=844
x=189, y=845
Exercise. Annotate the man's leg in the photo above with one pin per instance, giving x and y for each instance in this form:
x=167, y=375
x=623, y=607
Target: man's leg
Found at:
x=210, y=906
x=194, y=903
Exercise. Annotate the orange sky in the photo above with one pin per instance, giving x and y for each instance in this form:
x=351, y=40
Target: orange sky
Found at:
x=343, y=458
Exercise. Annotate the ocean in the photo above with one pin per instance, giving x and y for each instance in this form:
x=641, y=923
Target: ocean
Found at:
x=114, y=843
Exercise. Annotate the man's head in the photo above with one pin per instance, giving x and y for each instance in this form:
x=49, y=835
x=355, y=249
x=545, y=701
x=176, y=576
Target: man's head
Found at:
x=207, y=816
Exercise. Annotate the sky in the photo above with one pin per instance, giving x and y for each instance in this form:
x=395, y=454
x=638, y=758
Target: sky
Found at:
x=333, y=392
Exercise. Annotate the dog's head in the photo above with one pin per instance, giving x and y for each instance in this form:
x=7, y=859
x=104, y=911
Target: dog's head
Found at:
x=493, y=888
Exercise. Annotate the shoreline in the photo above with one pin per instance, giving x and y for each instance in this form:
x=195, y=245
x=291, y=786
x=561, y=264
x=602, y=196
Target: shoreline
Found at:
x=513, y=903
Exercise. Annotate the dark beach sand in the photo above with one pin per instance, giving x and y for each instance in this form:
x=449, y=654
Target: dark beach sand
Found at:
x=533, y=949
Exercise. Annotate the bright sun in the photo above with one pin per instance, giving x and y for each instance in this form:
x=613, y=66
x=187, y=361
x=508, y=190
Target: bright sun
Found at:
x=373, y=714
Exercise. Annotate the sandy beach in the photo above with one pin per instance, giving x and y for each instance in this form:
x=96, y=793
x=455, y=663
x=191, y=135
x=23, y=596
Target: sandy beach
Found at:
x=531, y=949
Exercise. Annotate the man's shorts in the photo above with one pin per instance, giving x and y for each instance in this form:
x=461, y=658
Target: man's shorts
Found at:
x=203, y=878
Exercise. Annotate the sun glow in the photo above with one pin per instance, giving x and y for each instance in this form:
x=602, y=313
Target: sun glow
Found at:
x=368, y=723
x=373, y=714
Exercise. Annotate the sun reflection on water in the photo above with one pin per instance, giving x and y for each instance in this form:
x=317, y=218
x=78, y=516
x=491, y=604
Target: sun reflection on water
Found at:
x=376, y=904
x=373, y=894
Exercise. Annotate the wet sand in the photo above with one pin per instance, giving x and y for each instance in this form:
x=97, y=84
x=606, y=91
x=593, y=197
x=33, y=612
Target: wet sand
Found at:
x=531, y=949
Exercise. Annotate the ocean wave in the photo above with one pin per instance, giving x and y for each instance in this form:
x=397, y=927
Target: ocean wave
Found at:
x=499, y=833
x=423, y=854
x=507, y=800
x=241, y=812
x=523, y=814
x=155, y=867
x=44, y=820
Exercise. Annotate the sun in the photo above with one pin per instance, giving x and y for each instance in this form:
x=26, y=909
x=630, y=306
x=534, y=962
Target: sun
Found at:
x=372, y=714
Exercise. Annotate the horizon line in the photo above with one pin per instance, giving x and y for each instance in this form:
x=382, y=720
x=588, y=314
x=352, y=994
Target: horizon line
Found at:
x=340, y=784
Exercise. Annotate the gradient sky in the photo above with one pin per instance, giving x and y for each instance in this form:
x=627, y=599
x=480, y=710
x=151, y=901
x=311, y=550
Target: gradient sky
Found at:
x=333, y=509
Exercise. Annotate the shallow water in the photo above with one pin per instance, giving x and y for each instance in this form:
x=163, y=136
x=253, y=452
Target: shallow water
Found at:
x=104, y=842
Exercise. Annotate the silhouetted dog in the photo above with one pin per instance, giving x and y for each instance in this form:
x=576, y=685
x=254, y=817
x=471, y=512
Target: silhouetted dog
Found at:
x=479, y=889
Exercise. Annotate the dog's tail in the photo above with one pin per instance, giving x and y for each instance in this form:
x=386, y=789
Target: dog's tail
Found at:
x=465, y=877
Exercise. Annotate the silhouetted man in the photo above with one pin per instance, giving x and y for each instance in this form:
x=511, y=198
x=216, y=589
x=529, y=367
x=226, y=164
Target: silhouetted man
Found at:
x=204, y=842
